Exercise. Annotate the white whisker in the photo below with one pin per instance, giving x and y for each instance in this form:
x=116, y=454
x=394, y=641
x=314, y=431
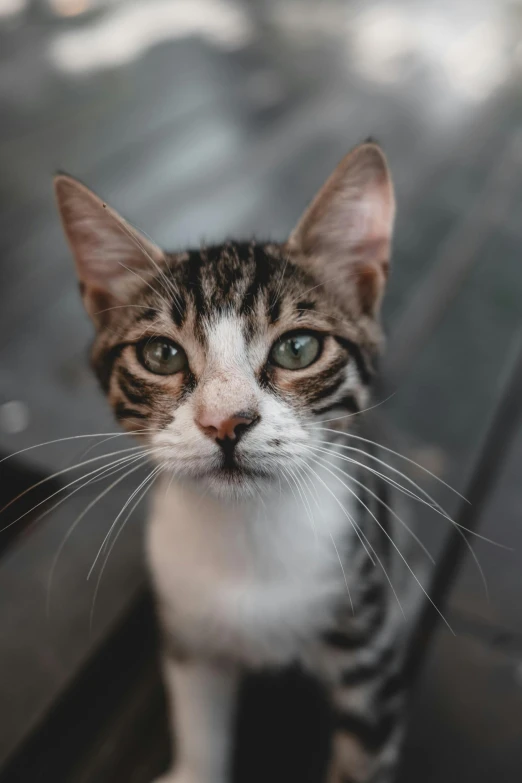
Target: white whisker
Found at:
x=62, y=440
x=168, y=284
x=349, y=415
x=79, y=518
x=345, y=512
x=322, y=461
x=386, y=506
x=62, y=489
x=109, y=533
x=148, y=483
x=401, y=456
x=430, y=502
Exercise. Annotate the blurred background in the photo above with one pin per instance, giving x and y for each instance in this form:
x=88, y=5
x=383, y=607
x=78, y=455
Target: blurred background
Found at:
x=202, y=119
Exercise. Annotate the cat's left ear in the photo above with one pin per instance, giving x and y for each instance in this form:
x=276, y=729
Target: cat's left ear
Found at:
x=111, y=255
x=344, y=237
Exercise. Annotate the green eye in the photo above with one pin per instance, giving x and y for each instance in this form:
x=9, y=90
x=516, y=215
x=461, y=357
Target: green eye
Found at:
x=161, y=356
x=295, y=351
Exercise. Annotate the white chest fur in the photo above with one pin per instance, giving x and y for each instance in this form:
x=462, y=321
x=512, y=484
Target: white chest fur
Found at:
x=255, y=579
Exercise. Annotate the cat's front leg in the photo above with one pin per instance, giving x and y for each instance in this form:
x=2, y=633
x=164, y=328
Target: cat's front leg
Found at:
x=201, y=699
x=367, y=690
x=353, y=761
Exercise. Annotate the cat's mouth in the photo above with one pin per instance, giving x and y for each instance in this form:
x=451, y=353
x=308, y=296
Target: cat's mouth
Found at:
x=236, y=471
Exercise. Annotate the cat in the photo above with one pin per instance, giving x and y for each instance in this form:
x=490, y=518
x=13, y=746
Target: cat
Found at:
x=243, y=368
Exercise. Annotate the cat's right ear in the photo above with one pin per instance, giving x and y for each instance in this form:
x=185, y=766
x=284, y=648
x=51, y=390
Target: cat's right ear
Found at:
x=111, y=255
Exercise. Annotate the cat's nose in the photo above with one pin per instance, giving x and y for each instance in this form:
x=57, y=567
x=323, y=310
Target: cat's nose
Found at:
x=226, y=428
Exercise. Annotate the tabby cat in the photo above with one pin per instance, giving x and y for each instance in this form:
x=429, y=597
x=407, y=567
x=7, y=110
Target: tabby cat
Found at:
x=242, y=368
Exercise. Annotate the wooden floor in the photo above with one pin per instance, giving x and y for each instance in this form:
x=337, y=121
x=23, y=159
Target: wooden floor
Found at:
x=226, y=125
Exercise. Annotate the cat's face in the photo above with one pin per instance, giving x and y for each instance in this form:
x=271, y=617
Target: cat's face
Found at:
x=226, y=360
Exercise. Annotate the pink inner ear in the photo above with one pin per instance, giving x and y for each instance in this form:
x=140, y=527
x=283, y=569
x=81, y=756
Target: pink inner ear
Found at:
x=110, y=254
x=345, y=234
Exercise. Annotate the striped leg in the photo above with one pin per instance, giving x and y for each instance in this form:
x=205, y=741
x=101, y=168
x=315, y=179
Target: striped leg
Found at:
x=367, y=692
x=364, y=749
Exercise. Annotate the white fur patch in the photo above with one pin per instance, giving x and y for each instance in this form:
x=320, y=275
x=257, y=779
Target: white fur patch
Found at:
x=256, y=580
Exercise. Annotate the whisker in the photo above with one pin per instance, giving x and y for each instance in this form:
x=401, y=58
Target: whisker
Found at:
x=150, y=479
x=61, y=489
x=345, y=512
x=133, y=272
x=461, y=529
x=392, y=482
x=109, y=533
x=304, y=500
x=149, y=431
x=320, y=461
x=287, y=475
x=307, y=485
x=118, y=307
x=350, y=415
x=77, y=521
x=320, y=285
x=401, y=456
x=169, y=286
x=360, y=536
x=386, y=506
x=432, y=504
x=62, y=440
x=280, y=285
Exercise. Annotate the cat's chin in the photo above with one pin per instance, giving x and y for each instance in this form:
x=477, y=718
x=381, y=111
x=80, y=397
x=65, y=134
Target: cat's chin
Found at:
x=235, y=483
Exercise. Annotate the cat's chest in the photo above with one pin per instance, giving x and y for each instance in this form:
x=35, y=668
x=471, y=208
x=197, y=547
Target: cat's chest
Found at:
x=263, y=585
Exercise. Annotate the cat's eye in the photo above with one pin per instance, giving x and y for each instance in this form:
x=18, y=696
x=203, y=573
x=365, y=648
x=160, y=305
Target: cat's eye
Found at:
x=295, y=351
x=162, y=356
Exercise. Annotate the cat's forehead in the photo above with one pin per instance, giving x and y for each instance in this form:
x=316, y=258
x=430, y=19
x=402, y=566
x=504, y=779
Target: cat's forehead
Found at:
x=232, y=276
x=252, y=285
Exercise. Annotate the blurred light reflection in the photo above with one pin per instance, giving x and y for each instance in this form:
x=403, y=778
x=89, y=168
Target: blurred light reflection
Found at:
x=473, y=54
x=70, y=7
x=12, y=7
x=127, y=31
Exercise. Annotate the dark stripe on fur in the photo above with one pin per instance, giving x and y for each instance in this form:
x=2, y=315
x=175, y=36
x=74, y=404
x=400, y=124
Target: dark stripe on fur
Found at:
x=363, y=367
x=368, y=620
x=372, y=735
x=137, y=391
x=178, y=310
x=147, y=315
x=341, y=640
x=121, y=411
x=303, y=307
x=363, y=672
x=391, y=687
x=330, y=390
x=274, y=311
x=103, y=365
x=258, y=283
x=192, y=281
x=348, y=402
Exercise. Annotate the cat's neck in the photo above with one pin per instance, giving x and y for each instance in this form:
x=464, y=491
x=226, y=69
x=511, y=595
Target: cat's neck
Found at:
x=315, y=510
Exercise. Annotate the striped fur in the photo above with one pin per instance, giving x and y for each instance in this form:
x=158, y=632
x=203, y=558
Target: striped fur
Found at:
x=259, y=554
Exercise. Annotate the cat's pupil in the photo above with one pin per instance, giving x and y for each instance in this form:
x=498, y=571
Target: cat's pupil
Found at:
x=165, y=351
x=296, y=347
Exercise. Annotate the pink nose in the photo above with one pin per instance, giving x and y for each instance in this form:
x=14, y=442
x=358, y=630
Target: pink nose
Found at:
x=219, y=427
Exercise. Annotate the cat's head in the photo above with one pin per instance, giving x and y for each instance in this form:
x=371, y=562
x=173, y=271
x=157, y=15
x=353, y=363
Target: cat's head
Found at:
x=227, y=359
